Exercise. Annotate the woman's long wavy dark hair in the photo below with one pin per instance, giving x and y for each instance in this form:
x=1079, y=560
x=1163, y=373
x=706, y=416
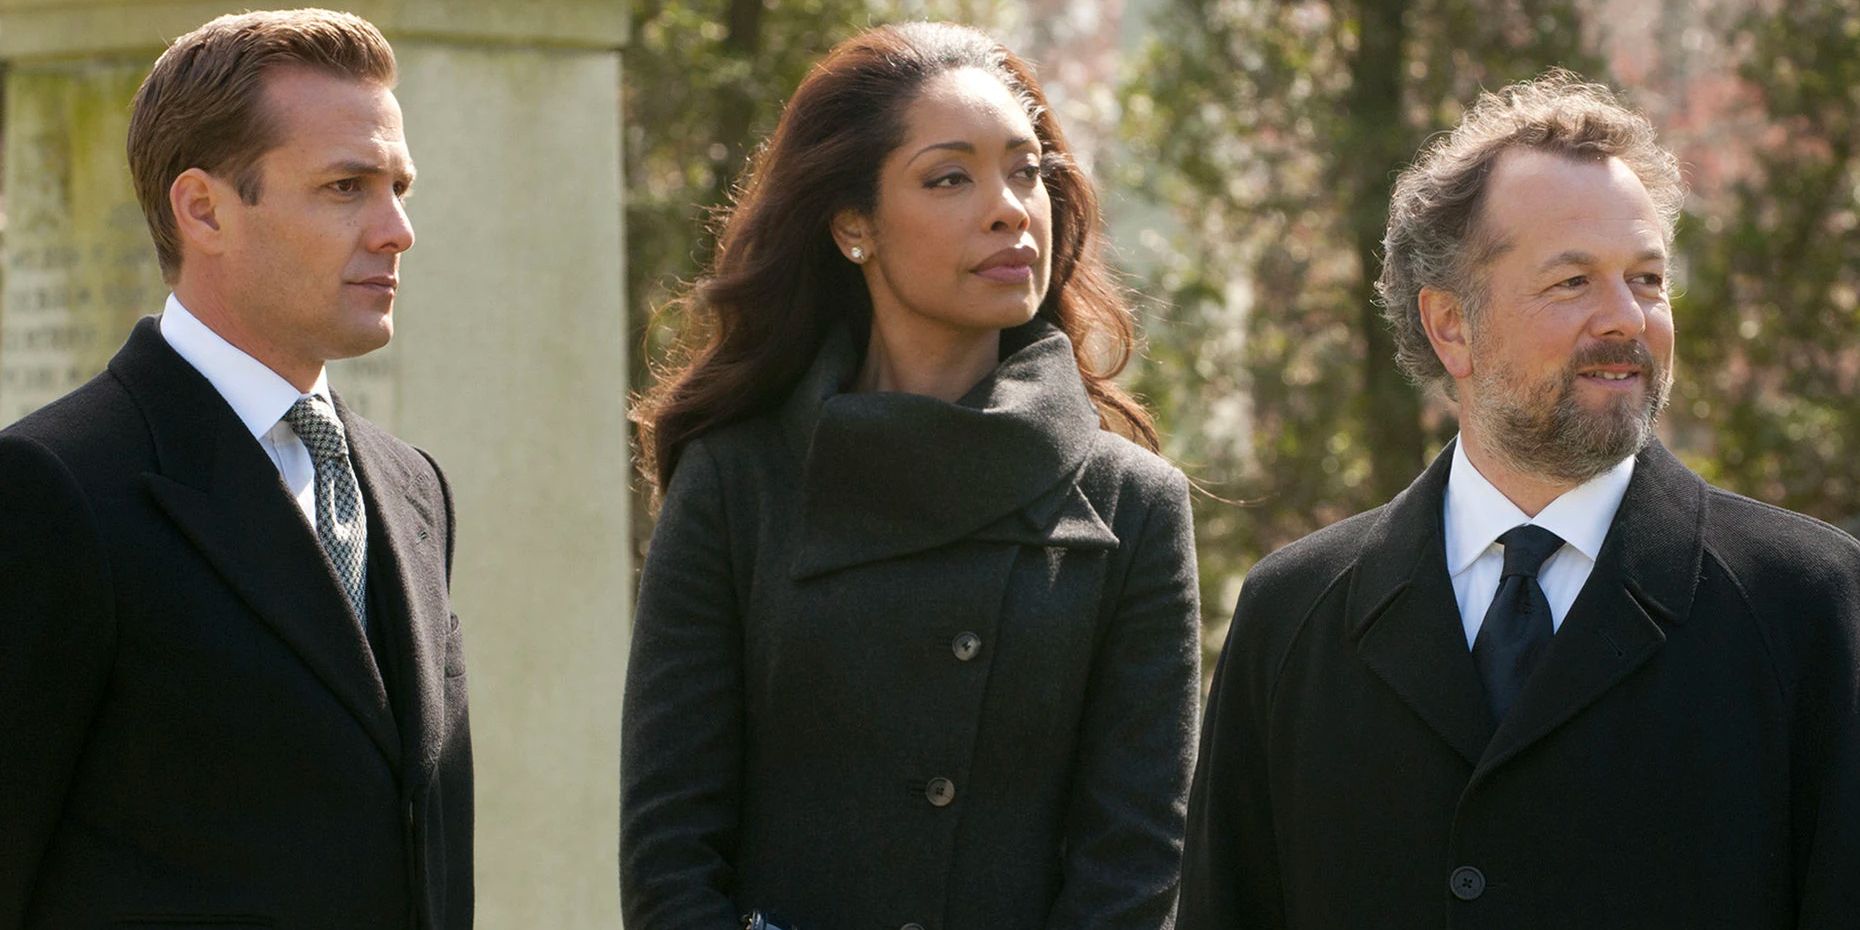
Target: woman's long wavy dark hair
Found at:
x=754, y=323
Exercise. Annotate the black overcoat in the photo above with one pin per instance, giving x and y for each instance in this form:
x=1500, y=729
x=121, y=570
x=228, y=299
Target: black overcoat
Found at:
x=1687, y=755
x=193, y=729
x=905, y=663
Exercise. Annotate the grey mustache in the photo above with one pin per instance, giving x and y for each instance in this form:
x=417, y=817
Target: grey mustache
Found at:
x=1614, y=353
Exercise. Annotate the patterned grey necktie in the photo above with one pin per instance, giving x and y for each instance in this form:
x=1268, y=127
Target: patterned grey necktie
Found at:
x=341, y=524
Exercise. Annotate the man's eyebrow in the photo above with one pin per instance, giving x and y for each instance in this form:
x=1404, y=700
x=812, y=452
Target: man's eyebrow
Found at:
x=1579, y=257
x=1567, y=257
x=369, y=168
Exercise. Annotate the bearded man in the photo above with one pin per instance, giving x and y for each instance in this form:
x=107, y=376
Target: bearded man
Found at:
x=1559, y=681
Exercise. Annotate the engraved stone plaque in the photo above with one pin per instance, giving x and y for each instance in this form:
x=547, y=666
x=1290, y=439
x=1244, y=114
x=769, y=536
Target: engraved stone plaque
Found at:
x=79, y=266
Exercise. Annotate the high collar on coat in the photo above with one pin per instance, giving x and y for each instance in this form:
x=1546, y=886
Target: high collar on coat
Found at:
x=889, y=474
x=1402, y=614
x=216, y=484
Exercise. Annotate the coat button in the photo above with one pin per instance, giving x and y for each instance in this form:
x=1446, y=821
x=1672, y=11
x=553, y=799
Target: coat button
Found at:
x=966, y=646
x=1466, y=883
x=940, y=791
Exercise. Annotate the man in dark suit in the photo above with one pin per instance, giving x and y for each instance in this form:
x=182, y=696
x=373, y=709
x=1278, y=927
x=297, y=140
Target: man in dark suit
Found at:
x=1560, y=681
x=231, y=686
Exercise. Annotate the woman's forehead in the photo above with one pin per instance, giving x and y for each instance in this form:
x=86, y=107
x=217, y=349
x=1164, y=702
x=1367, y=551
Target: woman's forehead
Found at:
x=965, y=99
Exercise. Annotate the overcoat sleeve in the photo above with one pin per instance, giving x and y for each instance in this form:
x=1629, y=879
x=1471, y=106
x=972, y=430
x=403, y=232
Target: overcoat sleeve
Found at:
x=57, y=633
x=1230, y=870
x=1827, y=751
x=1136, y=741
x=681, y=731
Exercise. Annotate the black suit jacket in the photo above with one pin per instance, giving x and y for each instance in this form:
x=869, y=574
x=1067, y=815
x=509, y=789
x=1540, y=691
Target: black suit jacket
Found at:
x=1687, y=755
x=193, y=730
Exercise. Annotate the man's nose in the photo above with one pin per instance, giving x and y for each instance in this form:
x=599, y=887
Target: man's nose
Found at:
x=1621, y=314
x=393, y=229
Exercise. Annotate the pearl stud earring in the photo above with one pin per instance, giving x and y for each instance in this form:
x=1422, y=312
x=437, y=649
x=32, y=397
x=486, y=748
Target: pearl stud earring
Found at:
x=858, y=254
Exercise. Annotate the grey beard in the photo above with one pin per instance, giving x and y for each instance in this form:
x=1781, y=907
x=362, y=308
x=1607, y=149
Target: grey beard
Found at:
x=1566, y=443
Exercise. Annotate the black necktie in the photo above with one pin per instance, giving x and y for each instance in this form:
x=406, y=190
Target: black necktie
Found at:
x=1517, y=626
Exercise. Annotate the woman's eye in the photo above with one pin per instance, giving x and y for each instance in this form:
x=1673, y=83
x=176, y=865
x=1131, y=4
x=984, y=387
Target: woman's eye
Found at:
x=947, y=180
x=1028, y=172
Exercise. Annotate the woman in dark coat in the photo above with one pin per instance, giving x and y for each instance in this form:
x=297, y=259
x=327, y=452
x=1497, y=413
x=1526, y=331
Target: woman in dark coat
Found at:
x=916, y=640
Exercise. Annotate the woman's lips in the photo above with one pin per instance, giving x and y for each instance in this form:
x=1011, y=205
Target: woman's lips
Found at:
x=1008, y=274
x=1012, y=265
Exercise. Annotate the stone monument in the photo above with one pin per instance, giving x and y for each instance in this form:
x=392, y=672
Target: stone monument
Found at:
x=508, y=362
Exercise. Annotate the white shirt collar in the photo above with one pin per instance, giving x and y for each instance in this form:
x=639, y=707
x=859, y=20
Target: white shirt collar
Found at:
x=256, y=394
x=1478, y=513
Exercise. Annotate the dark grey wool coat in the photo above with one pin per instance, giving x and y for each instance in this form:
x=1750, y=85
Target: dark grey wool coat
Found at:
x=900, y=663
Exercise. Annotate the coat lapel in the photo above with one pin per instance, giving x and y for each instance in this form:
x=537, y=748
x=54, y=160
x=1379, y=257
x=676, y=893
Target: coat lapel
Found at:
x=1405, y=619
x=225, y=496
x=1644, y=579
x=890, y=474
x=415, y=582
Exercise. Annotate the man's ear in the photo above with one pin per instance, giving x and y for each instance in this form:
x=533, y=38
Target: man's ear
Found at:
x=853, y=230
x=1443, y=315
x=200, y=201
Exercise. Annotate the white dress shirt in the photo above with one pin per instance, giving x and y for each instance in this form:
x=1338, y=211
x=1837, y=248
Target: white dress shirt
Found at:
x=257, y=395
x=1476, y=514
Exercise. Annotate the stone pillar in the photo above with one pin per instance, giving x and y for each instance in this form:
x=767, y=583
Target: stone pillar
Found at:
x=508, y=363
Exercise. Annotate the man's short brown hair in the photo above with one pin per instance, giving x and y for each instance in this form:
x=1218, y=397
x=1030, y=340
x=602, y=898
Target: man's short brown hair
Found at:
x=1433, y=237
x=202, y=106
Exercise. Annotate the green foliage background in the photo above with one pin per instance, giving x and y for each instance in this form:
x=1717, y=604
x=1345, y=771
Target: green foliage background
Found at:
x=1262, y=136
